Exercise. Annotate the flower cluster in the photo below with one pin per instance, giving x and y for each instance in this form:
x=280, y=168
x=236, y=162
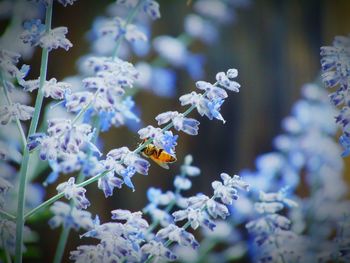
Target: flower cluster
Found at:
x=125, y=163
x=105, y=92
x=271, y=231
x=157, y=76
x=8, y=68
x=210, y=102
x=134, y=240
x=63, y=138
x=36, y=34
x=336, y=67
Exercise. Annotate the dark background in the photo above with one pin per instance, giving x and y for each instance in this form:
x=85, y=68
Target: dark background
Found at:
x=274, y=45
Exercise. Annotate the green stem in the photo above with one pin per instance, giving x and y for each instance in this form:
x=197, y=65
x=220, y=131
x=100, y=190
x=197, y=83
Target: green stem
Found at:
x=6, y=252
x=66, y=230
x=6, y=215
x=9, y=102
x=61, y=244
x=8, y=257
x=25, y=161
x=43, y=205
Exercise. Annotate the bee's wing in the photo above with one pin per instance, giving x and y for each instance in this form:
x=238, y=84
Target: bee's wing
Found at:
x=161, y=164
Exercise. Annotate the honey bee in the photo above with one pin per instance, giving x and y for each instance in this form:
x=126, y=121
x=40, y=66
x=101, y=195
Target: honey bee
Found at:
x=158, y=155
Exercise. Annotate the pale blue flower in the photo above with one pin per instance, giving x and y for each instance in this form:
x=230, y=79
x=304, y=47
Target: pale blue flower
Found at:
x=177, y=56
x=151, y=7
x=212, y=91
x=344, y=141
x=132, y=161
x=182, y=183
x=72, y=191
x=216, y=10
x=194, y=65
x=156, y=197
x=179, y=235
x=200, y=28
x=116, y=27
x=133, y=219
x=11, y=112
x=108, y=182
x=225, y=80
x=216, y=209
x=158, y=251
x=115, y=72
x=188, y=169
x=68, y=216
x=87, y=253
x=159, y=80
x=335, y=62
x=181, y=123
x=159, y=215
x=127, y=173
x=35, y=34
x=76, y=101
x=33, y=31
x=8, y=235
x=197, y=201
x=197, y=217
x=210, y=102
x=55, y=38
x=8, y=61
x=63, y=138
x=51, y=88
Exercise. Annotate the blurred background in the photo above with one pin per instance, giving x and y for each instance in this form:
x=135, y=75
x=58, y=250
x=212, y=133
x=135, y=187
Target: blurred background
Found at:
x=274, y=45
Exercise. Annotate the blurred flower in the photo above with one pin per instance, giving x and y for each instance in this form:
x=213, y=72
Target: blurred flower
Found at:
x=70, y=217
x=11, y=112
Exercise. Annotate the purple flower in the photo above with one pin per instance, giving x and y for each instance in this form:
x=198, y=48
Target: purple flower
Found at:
x=72, y=191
